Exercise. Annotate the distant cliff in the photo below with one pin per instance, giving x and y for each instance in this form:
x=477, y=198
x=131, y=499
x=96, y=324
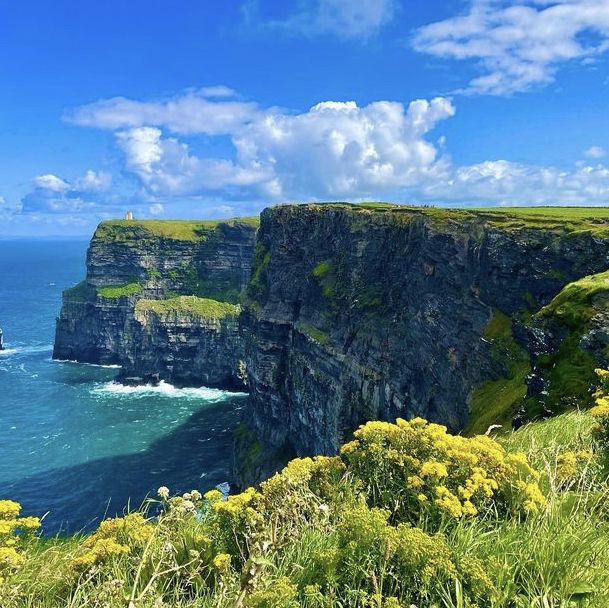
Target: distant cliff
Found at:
x=359, y=313
x=161, y=297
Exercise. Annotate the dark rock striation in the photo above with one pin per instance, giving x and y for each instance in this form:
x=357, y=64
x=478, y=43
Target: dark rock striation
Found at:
x=358, y=314
x=337, y=314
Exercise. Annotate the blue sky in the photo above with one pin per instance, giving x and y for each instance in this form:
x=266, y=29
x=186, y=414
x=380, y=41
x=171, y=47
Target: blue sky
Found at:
x=216, y=109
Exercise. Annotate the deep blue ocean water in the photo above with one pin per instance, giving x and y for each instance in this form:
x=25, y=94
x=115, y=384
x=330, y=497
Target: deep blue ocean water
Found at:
x=74, y=445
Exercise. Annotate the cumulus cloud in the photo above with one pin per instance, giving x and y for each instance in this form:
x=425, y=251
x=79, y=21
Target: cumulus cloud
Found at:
x=518, y=45
x=156, y=209
x=166, y=167
x=52, y=194
x=595, y=152
x=334, y=149
x=346, y=19
x=193, y=112
x=509, y=183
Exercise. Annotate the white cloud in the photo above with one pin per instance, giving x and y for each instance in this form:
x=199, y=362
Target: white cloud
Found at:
x=93, y=181
x=335, y=149
x=51, y=182
x=165, y=166
x=595, y=152
x=186, y=114
x=518, y=45
x=509, y=183
x=52, y=194
x=218, y=90
x=346, y=19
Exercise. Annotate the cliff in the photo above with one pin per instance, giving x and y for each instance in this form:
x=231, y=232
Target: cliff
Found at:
x=372, y=312
x=160, y=298
x=335, y=314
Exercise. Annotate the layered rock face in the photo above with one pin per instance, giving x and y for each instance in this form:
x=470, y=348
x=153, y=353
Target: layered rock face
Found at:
x=359, y=314
x=351, y=313
x=186, y=347
x=104, y=320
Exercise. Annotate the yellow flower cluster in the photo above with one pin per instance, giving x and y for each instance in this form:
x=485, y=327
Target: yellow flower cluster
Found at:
x=99, y=552
x=569, y=464
x=234, y=504
x=221, y=562
x=600, y=411
x=115, y=537
x=429, y=470
x=13, y=530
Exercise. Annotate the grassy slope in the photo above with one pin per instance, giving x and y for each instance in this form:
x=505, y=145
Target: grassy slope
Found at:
x=555, y=559
x=119, y=291
x=495, y=401
x=560, y=219
x=202, y=307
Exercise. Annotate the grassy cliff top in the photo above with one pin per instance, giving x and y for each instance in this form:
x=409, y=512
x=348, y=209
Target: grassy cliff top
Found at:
x=202, y=307
x=560, y=219
x=181, y=230
x=574, y=305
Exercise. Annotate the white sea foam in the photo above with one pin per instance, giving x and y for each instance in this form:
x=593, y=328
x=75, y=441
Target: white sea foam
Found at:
x=26, y=350
x=105, y=366
x=163, y=389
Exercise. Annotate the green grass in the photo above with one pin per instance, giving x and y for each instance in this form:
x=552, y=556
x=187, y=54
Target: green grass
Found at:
x=119, y=291
x=495, y=401
x=561, y=220
x=202, y=307
x=79, y=293
x=574, y=304
x=181, y=230
x=312, y=332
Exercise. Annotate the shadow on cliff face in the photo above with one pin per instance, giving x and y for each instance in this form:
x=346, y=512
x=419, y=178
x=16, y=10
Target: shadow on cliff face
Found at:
x=196, y=455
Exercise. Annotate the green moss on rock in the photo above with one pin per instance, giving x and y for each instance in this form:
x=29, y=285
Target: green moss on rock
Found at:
x=202, y=307
x=574, y=305
x=495, y=401
x=322, y=269
x=119, y=291
x=312, y=332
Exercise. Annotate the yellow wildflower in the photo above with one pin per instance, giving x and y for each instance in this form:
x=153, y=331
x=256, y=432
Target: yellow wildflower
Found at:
x=222, y=562
x=434, y=469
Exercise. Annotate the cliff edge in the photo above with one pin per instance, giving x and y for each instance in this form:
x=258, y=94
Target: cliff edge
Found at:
x=161, y=299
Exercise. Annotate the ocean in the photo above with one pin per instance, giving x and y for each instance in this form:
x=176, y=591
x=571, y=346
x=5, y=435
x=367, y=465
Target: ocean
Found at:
x=75, y=446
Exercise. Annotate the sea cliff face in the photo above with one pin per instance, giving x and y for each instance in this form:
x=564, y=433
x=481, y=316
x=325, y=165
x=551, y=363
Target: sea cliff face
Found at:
x=131, y=309
x=332, y=315
x=357, y=314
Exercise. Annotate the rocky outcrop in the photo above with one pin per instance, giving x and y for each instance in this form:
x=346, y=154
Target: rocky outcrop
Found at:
x=129, y=262
x=185, y=346
x=359, y=314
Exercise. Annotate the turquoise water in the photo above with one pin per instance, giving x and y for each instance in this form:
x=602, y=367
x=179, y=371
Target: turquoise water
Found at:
x=74, y=445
